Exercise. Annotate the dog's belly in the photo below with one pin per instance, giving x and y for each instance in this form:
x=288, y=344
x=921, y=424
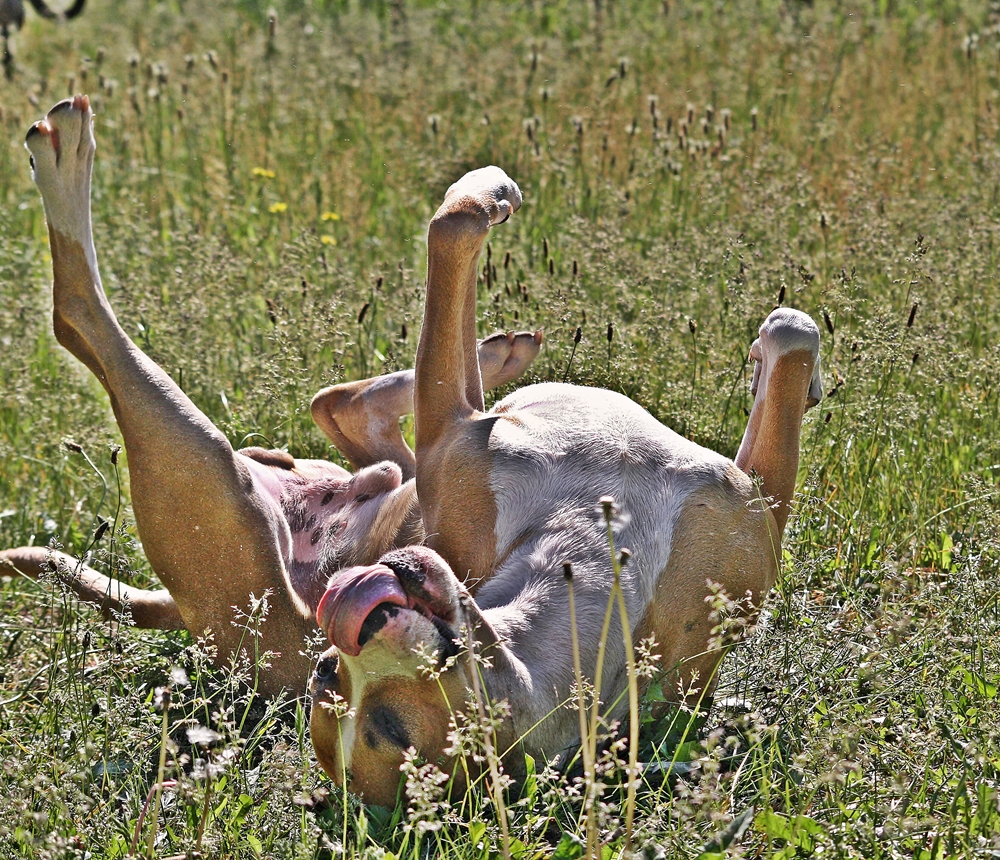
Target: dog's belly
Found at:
x=327, y=518
x=555, y=451
x=550, y=472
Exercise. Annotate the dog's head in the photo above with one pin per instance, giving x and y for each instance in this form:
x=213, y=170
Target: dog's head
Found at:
x=394, y=674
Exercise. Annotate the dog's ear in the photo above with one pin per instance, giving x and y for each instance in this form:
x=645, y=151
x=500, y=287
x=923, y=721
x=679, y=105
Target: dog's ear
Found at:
x=270, y=457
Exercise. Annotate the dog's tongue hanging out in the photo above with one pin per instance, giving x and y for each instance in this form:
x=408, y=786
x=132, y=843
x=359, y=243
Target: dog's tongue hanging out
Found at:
x=354, y=595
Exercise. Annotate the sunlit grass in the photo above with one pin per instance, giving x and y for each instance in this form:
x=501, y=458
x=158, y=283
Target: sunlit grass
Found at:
x=261, y=194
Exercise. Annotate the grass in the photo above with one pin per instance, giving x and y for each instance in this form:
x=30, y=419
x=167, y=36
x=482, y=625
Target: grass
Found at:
x=260, y=200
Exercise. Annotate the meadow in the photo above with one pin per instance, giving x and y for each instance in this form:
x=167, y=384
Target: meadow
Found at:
x=263, y=182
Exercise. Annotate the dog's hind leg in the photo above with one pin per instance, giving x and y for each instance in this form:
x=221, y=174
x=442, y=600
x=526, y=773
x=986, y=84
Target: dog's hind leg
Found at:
x=362, y=418
x=209, y=530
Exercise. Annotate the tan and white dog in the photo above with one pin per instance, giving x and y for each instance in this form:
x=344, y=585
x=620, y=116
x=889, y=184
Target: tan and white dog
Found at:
x=507, y=498
x=217, y=525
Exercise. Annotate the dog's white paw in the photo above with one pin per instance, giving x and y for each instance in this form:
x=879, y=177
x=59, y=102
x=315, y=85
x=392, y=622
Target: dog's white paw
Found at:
x=786, y=331
x=62, y=155
x=489, y=188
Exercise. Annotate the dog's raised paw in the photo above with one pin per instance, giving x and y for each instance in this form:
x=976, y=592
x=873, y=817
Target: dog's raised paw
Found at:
x=65, y=129
x=62, y=154
x=490, y=188
x=504, y=357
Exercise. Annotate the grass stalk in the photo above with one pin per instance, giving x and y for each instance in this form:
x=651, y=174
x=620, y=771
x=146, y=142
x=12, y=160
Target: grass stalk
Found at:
x=618, y=596
x=160, y=784
x=489, y=748
x=581, y=694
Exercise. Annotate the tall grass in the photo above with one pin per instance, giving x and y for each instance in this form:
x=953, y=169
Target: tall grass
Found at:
x=260, y=198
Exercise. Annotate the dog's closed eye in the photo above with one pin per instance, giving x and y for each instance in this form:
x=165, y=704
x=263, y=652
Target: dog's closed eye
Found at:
x=384, y=724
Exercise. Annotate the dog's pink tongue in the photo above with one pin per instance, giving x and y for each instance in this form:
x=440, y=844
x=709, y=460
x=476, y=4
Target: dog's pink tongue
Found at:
x=355, y=593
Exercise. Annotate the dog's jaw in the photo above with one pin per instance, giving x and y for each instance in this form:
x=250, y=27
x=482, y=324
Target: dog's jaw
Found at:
x=409, y=602
x=352, y=598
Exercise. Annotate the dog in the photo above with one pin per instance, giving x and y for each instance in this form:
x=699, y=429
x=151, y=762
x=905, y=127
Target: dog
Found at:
x=511, y=500
x=222, y=529
x=508, y=501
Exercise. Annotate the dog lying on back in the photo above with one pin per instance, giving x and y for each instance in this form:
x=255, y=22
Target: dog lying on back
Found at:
x=510, y=497
x=507, y=499
x=217, y=525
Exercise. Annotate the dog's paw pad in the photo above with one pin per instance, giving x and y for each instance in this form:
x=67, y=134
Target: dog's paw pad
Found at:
x=62, y=153
x=42, y=135
x=504, y=357
x=66, y=130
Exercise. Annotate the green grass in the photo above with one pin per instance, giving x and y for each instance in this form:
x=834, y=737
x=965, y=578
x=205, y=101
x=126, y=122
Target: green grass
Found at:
x=859, y=180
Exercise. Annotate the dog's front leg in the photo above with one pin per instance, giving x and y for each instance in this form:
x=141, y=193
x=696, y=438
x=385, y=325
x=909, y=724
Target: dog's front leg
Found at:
x=452, y=444
x=448, y=382
x=149, y=609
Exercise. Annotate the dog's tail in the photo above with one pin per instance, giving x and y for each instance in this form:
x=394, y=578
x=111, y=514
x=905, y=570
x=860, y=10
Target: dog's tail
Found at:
x=151, y=610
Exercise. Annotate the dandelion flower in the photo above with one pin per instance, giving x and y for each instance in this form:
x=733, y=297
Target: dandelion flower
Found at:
x=327, y=240
x=277, y=207
x=263, y=171
x=330, y=216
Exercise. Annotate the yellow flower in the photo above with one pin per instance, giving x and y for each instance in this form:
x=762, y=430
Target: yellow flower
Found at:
x=330, y=216
x=328, y=240
x=277, y=207
x=263, y=171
